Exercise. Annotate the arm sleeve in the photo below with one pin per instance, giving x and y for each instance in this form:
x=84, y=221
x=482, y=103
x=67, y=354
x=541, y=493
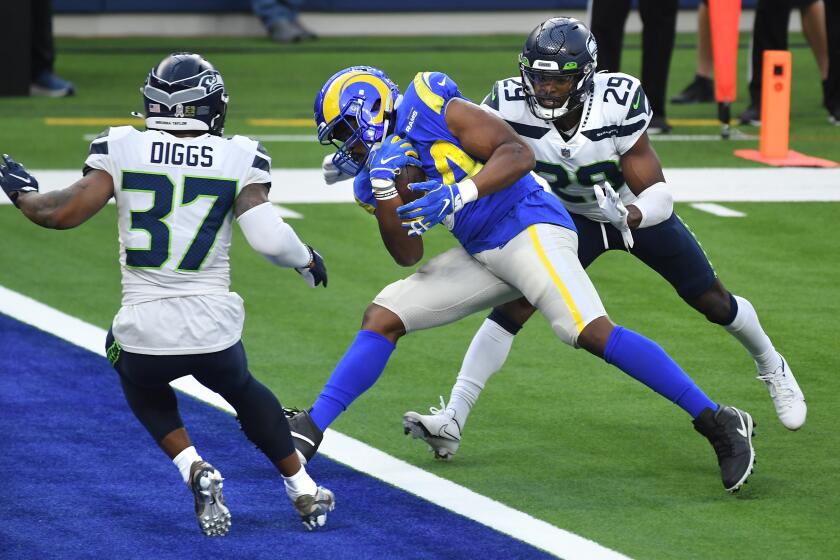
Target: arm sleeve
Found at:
x=270, y=236
x=656, y=203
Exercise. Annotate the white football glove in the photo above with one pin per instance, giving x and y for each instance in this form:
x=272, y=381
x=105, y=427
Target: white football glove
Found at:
x=332, y=174
x=614, y=211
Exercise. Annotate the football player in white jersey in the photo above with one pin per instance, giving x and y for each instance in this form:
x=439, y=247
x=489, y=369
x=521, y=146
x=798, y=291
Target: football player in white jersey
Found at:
x=588, y=134
x=177, y=187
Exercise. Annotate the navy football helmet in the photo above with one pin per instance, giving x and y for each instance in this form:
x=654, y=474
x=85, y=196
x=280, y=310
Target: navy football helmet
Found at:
x=354, y=109
x=185, y=92
x=563, y=51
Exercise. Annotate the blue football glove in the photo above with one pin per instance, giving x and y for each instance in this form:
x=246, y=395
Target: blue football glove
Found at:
x=15, y=179
x=385, y=162
x=440, y=201
x=315, y=273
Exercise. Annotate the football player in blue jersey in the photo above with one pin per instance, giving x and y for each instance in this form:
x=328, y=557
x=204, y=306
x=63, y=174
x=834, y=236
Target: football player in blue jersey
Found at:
x=588, y=129
x=515, y=239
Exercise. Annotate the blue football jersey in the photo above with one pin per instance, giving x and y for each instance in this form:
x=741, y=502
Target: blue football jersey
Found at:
x=493, y=220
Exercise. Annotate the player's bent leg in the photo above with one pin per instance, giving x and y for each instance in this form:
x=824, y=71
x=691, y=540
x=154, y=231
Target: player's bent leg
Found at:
x=672, y=251
x=442, y=429
x=738, y=317
x=360, y=367
x=157, y=409
x=541, y=262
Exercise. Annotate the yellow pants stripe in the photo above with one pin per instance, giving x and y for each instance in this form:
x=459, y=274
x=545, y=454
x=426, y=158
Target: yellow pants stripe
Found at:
x=567, y=297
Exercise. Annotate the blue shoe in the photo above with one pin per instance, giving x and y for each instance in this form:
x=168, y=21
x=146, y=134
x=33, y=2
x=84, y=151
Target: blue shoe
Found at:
x=48, y=84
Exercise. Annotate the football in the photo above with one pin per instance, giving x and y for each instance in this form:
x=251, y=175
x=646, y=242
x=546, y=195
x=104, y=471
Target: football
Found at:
x=409, y=174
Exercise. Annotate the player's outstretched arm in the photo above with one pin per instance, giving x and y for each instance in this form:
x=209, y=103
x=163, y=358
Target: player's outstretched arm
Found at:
x=269, y=235
x=61, y=209
x=489, y=138
x=643, y=174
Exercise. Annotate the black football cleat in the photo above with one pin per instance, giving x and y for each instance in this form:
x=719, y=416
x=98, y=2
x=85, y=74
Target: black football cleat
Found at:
x=701, y=90
x=730, y=432
x=750, y=116
x=306, y=434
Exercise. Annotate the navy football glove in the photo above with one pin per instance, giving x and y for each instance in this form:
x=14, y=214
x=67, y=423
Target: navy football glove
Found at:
x=15, y=179
x=315, y=273
x=440, y=201
x=385, y=162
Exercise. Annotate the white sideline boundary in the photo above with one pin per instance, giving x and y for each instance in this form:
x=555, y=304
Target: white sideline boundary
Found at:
x=298, y=186
x=344, y=449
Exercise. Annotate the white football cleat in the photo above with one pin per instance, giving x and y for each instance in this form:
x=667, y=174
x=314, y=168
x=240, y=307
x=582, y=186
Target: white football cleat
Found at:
x=787, y=396
x=210, y=510
x=439, y=429
x=313, y=509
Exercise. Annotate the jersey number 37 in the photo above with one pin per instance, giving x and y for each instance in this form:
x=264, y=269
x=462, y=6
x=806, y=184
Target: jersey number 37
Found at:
x=222, y=191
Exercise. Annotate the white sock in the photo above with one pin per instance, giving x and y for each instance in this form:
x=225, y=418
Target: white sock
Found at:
x=486, y=355
x=184, y=461
x=299, y=484
x=748, y=331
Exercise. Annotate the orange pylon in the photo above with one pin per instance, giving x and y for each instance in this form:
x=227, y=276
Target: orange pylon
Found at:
x=775, y=117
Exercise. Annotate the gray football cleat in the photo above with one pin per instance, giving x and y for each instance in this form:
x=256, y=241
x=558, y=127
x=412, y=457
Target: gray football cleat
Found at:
x=440, y=429
x=210, y=510
x=788, y=398
x=313, y=509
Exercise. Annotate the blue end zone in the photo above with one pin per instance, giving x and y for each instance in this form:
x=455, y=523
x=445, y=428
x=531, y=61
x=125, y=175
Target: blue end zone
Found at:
x=81, y=478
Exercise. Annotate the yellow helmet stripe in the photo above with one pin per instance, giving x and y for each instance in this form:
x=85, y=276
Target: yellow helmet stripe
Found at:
x=333, y=95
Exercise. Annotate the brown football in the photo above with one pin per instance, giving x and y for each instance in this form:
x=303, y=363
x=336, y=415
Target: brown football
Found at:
x=409, y=174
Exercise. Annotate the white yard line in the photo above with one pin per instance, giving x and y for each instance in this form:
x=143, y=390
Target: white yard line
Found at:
x=344, y=449
x=717, y=210
x=297, y=186
x=736, y=137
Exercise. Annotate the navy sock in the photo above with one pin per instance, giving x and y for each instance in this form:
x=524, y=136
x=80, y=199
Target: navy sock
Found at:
x=357, y=371
x=645, y=361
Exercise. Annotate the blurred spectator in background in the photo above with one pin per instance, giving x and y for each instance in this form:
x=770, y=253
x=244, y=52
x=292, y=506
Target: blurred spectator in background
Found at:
x=659, y=24
x=770, y=32
x=280, y=18
x=44, y=80
x=832, y=82
x=702, y=89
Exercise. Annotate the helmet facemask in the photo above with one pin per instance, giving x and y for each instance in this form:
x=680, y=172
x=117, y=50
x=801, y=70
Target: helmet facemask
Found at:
x=352, y=129
x=540, y=94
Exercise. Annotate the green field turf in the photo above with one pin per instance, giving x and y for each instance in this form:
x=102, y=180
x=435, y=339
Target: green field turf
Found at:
x=268, y=81
x=557, y=434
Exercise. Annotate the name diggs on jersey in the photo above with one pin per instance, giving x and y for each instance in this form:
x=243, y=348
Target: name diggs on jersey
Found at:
x=172, y=153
